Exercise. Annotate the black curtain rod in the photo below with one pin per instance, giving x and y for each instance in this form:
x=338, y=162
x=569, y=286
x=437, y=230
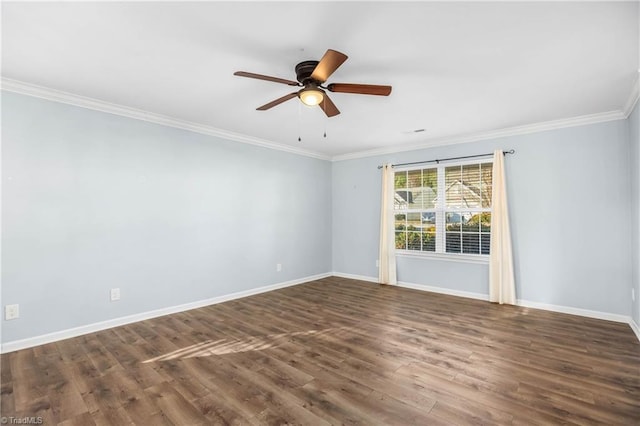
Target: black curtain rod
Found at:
x=511, y=151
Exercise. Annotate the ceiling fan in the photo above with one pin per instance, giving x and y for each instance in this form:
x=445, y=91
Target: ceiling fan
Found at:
x=311, y=76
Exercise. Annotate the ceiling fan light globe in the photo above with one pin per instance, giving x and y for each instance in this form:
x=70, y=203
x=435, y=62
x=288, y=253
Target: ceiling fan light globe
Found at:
x=311, y=97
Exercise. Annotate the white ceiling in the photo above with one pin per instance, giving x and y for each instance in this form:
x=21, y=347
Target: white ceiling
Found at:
x=456, y=68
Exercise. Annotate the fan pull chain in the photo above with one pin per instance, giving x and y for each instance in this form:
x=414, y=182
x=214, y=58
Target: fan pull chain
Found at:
x=325, y=120
x=299, y=119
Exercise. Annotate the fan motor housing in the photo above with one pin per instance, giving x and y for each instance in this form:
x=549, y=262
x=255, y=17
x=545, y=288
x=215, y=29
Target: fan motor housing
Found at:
x=304, y=70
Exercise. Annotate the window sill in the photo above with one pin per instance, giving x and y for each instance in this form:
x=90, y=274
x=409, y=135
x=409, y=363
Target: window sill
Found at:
x=466, y=258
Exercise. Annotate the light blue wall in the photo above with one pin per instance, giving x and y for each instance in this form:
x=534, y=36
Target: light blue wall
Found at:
x=93, y=201
x=570, y=210
x=634, y=140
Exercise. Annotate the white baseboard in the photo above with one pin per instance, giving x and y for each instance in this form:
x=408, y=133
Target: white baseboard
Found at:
x=422, y=287
x=574, y=311
x=442, y=290
x=356, y=277
x=103, y=325
x=524, y=303
x=635, y=328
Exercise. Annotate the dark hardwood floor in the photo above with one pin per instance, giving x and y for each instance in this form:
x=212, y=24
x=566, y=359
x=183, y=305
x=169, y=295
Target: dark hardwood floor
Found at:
x=335, y=351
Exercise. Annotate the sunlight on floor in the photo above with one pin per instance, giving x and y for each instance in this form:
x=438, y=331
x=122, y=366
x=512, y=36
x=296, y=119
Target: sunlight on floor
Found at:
x=228, y=346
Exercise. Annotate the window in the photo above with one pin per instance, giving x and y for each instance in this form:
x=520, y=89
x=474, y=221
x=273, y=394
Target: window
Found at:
x=444, y=209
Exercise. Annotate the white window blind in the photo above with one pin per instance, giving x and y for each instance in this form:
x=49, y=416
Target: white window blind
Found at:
x=444, y=208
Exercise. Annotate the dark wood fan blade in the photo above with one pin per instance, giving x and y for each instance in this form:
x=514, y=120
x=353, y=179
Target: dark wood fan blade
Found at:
x=266, y=77
x=328, y=106
x=327, y=65
x=361, y=89
x=277, y=101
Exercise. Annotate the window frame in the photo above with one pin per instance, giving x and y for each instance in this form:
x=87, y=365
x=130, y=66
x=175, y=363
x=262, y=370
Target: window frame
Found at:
x=440, y=211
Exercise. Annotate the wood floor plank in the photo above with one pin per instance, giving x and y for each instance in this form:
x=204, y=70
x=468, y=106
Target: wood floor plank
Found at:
x=229, y=403
x=84, y=419
x=174, y=405
x=335, y=351
x=218, y=411
x=223, y=381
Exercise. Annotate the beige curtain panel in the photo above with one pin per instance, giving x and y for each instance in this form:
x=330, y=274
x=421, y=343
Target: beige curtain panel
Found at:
x=502, y=287
x=387, y=262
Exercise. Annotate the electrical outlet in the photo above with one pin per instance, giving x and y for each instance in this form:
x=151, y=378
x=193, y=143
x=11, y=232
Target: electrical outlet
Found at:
x=377, y=263
x=11, y=312
x=278, y=267
x=115, y=294
x=633, y=294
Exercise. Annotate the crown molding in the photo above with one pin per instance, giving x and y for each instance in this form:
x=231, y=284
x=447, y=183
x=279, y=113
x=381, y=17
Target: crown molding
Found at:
x=29, y=89
x=494, y=134
x=633, y=97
